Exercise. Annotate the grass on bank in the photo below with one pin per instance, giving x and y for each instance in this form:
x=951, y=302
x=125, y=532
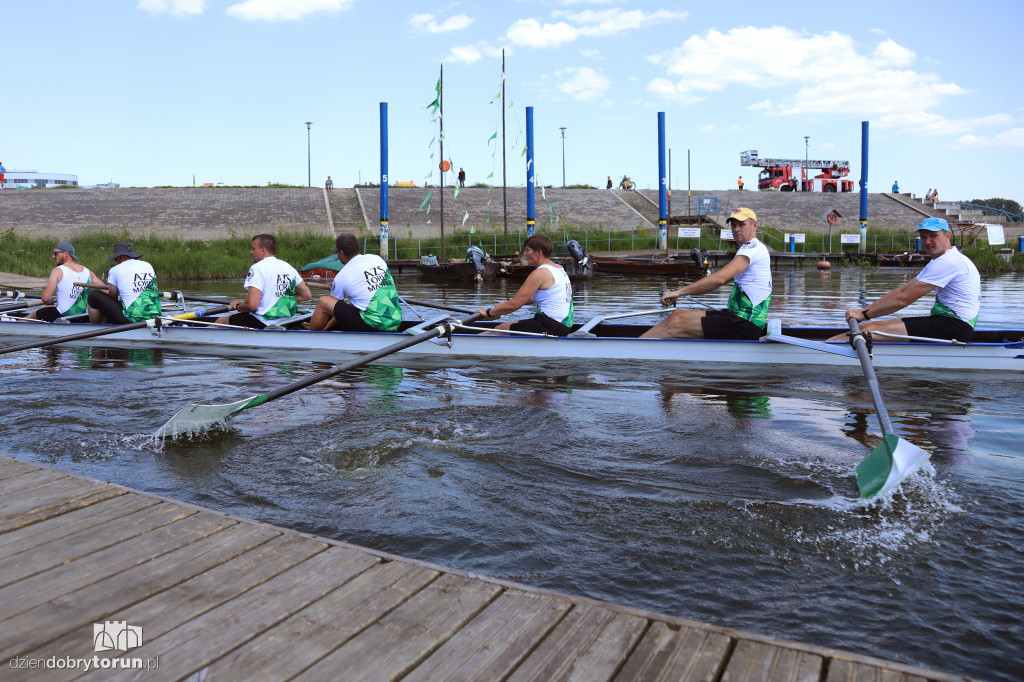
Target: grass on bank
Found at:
x=177, y=259
x=228, y=258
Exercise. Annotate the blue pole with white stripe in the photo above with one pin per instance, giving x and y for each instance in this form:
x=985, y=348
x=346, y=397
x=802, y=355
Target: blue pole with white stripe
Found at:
x=531, y=174
x=384, y=180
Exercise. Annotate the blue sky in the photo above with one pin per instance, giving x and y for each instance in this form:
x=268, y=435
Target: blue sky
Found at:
x=154, y=92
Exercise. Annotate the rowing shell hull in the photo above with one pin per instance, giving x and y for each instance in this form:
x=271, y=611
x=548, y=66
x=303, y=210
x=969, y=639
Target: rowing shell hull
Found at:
x=613, y=343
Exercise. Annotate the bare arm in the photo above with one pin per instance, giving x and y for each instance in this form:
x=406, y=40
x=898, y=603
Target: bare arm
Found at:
x=709, y=283
x=537, y=279
x=897, y=299
x=50, y=290
x=302, y=292
x=251, y=302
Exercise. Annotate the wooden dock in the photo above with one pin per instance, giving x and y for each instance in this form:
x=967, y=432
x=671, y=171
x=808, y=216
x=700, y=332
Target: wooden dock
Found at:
x=223, y=598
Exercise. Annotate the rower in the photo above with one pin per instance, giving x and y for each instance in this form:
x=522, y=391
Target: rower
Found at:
x=63, y=296
x=747, y=311
x=366, y=282
x=275, y=288
x=950, y=274
x=131, y=294
x=548, y=286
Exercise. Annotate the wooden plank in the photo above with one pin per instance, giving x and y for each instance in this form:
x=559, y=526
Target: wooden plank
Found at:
x=397, y=642
x=840, y=670
x=759, y=661
x=95, y=602
x=89, y=541
x=9, y=468
x=669, y=652
x=323, y=625
x=590, y=643
x=194, y=645
x=24, y=539
x=52, y=500
x=34, y=590
x=28, y=480
x=491, y=645
x=177, y=605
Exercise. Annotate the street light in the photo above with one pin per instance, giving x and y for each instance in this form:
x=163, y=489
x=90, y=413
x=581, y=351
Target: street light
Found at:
x=563, y=156
x=309, y=167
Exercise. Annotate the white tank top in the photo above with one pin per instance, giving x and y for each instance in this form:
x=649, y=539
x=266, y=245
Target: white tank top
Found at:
x=556, y=300
x=68, y=291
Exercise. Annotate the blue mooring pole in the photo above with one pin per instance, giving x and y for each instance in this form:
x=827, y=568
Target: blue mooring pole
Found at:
x=863, y=246
x=384, y=180
x=662, y=186
x=531, y=174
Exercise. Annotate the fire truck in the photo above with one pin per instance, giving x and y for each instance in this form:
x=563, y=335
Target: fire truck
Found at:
x=788, y=175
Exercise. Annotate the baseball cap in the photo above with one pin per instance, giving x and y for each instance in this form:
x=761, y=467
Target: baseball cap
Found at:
x=66, y=246
x=934, y=225
x=742, y=214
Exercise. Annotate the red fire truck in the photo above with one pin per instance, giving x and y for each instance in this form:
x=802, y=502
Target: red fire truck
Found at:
x=788, y=175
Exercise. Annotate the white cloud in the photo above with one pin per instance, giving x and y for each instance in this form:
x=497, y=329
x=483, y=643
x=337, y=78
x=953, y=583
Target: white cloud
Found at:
x=1010, y=138
x=607, y=22
x=593, y=23
x=582, y=83
x=467, y=54
x=828, y=145
x=175, y=7
x=285, y=10
x=425, y=22
x=590, y=53
x=531, y=33
x=707, y=128
x=818, y=73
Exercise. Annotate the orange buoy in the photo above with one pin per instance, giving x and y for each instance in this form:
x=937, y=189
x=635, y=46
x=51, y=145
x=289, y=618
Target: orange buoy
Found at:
x=445, y=166
x=824, y=265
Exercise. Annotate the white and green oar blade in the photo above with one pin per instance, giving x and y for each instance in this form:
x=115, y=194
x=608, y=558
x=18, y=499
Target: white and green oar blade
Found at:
x=888, y=464
x=193, y=419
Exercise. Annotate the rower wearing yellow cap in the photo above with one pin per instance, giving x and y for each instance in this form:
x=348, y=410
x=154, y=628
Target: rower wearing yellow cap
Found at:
x=746, y=314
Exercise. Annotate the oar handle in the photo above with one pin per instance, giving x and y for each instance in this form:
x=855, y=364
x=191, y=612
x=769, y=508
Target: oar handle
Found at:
x=316, y=285
x=439, y=306
x=19, y=306
x=860, y=345
x=91, y=285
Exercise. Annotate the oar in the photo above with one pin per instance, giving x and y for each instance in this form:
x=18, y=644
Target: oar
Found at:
x=167, y=295
x=894, y=459
x=19, y=306
x=12, y=293
x=439, y=306
x=196, y=418
x=112, y=330
x=313, y=284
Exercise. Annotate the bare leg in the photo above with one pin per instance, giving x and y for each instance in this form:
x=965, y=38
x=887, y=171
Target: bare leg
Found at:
x=323, y=314
x=682, y=324
x=504, y=326
x=893, y=326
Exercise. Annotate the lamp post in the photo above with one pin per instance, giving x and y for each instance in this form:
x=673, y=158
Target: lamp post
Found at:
x=309, y=167
x=563, y=156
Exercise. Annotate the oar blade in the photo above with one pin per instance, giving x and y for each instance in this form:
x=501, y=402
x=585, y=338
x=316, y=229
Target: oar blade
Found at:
x=193, y=419
x=888, y=465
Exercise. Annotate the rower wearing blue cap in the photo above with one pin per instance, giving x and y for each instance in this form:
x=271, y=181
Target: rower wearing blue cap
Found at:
x=953, y=278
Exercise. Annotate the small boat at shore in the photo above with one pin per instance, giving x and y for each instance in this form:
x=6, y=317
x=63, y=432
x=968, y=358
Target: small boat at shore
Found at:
x=695, y=264
x=1000, y=350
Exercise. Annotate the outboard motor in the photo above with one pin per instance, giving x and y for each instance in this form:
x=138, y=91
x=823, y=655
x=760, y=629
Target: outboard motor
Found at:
x=700, y=257
x=578, y=255
x=477, y=256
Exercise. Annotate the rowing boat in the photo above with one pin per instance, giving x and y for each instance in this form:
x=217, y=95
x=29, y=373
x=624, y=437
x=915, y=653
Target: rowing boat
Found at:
x=989, y=350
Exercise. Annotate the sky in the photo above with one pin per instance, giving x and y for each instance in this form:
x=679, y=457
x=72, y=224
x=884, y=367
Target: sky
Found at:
x=171, y=92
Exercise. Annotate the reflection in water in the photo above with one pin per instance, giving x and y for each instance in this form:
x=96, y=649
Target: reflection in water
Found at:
x=58, y=358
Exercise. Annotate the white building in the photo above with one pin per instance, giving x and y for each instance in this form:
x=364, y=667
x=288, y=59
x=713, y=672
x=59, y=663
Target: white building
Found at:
x=27, y=179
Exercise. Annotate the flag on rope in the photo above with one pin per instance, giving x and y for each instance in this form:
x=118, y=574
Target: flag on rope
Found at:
x=429, y=193
x=492, y=137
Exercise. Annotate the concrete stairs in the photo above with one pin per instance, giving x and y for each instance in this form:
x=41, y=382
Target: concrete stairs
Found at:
x=346, y=211
x=644, y=206
x=951, y=211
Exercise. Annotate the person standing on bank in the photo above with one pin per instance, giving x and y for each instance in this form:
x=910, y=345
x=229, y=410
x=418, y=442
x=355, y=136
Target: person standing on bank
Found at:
x=275, y=288
x=953, y=278
x=372, y=305
x=739, y=183
x=747, y=311
x=462, y=178
x=62, y=294
x=131, y=294
x=548, y=287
